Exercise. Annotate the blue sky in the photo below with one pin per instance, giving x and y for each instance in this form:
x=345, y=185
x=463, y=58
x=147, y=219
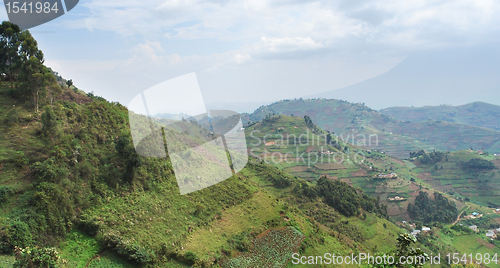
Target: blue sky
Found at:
x=253, y=50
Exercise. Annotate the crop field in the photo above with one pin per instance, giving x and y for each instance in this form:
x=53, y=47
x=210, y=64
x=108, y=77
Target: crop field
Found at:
x=479, y=186
x=274, y=248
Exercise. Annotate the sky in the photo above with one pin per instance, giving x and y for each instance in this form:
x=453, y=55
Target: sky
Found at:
x=252, y=50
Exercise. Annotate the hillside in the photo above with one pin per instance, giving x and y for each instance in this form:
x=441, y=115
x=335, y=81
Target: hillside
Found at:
x=360, y=125
x=477, y=114
x=104, y=200
x=74, y=191
x=277, y=140
x=396, y=183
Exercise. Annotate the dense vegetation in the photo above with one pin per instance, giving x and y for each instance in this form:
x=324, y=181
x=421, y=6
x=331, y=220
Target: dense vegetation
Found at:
x=477, y=164
x=346, y=199
x=426, y=210
x=428, y=158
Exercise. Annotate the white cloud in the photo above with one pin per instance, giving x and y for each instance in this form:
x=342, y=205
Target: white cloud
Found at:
x=149, y=50
x=287, y=44
x=323, y=22
x=321, y=45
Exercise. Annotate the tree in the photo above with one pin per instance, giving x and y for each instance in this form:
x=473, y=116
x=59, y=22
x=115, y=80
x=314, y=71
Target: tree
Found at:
x=49, y=121
x=35, y=77
x=9, y=48
x=69, y=83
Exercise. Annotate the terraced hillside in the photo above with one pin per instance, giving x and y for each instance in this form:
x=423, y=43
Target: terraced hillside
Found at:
x=303, y=151
x=450, y=174
x=360, y=125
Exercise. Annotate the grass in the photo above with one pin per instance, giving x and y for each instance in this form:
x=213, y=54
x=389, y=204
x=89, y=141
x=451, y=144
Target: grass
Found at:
x=78, y=249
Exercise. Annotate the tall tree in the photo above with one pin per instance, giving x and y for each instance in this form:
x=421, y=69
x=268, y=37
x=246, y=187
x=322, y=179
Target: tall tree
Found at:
x=36, y=80
x=9, y=49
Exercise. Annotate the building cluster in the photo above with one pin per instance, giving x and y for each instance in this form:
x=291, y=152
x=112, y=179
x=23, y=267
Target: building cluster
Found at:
x=396, y=198
x=492, y=234
x=386, y=176
x=417, y=232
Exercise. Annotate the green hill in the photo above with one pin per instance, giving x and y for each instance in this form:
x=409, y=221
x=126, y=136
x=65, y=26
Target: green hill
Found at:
x=477, y=114
x=79, y=186
x=74, y=192
x=360, y=125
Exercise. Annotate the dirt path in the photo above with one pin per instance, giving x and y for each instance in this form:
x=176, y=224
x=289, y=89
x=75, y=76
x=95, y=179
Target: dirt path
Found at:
x=458, y=218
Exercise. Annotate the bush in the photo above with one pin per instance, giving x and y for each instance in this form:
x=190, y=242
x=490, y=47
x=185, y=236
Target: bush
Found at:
x=49, y=121
x=15, y=234
x=477, y=163
x=37, y=257
x=21, y=159
x=127, y=248
x=5, y=192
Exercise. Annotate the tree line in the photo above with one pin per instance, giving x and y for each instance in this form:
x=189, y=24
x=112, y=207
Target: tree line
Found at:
x=21, y=61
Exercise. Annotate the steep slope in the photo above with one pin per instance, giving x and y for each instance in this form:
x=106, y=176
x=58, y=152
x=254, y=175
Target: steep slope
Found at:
x=360, y=125
x=478, y=114
x=73, y=180
x=451, y=76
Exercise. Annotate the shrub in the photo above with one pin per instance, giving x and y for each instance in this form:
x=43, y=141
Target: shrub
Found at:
x=36, y=257
x=5, y=192
x=16, y=233
x=127, y=248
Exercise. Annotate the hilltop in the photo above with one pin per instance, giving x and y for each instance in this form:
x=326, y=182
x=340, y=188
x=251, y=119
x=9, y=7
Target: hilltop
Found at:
x=363, y=126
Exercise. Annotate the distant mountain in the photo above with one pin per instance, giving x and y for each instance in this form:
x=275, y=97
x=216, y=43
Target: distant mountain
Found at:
x=453, y=77
x=474, y=114
x=360, y=125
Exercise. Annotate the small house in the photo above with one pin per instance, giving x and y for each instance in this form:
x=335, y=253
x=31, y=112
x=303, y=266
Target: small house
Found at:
x=425, y=229
x=474, y=228
x=490, y=234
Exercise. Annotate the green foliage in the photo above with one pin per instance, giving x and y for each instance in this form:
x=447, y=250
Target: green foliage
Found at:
x=417, y=154
x=477, y=164
x=12, y=116
x=461, y=228
x=9, y=47
x=49, y=121
x=240, y=241
x=15, y=234
x=273, y=249
x=426, y=210
x=49, y=171
x=346, y=199
x=53, y=204
x=127, y=248
x=5, y=192
x=430, y=158
x=37, y=258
